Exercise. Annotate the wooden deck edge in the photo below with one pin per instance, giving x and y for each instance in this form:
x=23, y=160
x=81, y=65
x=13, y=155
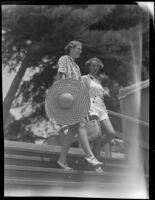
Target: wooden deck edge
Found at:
x=48, y=149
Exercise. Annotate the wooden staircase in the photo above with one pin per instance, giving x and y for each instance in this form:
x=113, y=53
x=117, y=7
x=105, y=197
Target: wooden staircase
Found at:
x=32, y=170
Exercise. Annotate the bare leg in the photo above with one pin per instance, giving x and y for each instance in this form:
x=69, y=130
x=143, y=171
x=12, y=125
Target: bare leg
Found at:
x=67, y=143
x=97, y=147
x=83, y=138
x=97, y=142
x=109, y=131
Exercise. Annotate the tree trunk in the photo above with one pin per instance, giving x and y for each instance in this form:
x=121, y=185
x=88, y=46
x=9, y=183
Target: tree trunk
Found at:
x=13, y=89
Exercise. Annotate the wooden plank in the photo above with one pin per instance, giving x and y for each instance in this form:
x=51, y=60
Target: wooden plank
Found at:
x=21, y=160
x=75, y=162
x=116, y=191
x=48, y=149
x=63, y=188
x=54, y=182
x=9, y=157
x=42, y=150
x=50, y=173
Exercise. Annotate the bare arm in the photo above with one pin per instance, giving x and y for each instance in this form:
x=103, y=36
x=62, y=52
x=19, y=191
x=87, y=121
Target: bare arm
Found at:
x=86, y=81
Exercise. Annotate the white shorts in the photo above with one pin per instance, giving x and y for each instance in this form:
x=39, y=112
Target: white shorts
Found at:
x=98, y=110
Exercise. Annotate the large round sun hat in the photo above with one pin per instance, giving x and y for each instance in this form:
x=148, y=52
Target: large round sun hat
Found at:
x=67, y=101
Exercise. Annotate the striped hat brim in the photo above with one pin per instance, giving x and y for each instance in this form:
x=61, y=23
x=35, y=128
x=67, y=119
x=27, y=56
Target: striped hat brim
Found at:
x=73, y=107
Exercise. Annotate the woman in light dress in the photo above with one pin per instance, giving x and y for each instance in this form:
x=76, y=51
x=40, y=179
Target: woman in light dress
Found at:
x=68, y=68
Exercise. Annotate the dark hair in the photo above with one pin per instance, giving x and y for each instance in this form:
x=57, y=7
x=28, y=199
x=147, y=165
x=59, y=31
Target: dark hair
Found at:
x=70, y=45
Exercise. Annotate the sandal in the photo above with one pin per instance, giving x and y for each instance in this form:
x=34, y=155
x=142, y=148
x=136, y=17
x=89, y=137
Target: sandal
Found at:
x=64, y=166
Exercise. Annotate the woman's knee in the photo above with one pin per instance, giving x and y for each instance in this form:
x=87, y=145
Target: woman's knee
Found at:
x=110, y=133
x=107, y=128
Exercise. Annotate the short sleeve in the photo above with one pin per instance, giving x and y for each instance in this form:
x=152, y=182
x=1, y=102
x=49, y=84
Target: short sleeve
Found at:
x=62, y=64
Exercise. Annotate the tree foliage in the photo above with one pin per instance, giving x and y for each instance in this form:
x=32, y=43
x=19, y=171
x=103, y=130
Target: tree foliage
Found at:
x=40, y=33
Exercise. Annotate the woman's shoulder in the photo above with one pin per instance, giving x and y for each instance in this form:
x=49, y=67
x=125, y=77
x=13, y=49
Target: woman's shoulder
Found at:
x=64, y=57
x=63, y=61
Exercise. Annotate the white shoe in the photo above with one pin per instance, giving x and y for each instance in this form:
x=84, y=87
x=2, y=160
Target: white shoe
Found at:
x=99, y=170
x=93, y=161
x=64, y=166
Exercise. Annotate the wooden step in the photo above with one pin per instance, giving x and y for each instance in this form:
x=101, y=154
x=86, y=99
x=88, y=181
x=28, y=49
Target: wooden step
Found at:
x=46, y=155
x=50, y=151
x=10, y=146
x=34, y=168
x=54, y=182
x=37, y=187
x=80, y=164
x=53, y=173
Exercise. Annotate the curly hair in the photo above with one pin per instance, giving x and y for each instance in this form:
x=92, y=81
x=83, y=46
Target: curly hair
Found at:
x=70, y=45
x=96, y=60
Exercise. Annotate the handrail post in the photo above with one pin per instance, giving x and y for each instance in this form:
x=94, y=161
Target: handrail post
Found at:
x=107, y=149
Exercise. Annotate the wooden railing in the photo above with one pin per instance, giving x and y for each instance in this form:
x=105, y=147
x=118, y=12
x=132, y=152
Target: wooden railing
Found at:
x=119, y=134
x=122, y=135
x=128, y=118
